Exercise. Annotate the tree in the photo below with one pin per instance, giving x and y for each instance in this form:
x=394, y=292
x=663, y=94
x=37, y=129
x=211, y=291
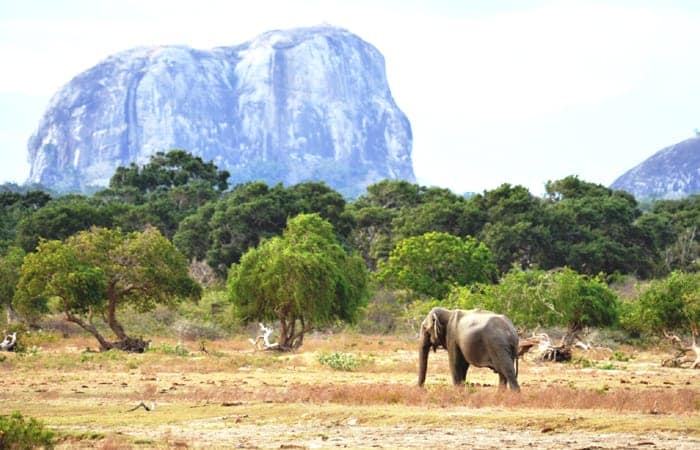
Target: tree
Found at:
x=392, y=210
x=168, y=170
x=439, y=210
x=584, y=301
x=10, y=264
x=669, y=306
x=513, y=227
x=303, y=278
x=15, y=206
x=97, y=272
x=593, y=229
x=62, y=217
x=248, y=214
x=170, y=187
x=225, y=229
x=676, y=232
x=672, y=304
x=545, y=298
x=434, y=262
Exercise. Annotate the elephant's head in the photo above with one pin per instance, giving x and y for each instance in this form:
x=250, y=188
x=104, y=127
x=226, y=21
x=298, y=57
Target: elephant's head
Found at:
x=432, y=335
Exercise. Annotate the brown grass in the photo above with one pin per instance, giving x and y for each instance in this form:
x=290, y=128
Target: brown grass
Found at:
x=654, y=401
x=78, y=391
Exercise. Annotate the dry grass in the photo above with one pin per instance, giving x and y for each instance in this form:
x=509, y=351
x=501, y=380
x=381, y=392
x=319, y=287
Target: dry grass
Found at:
x=232, y=387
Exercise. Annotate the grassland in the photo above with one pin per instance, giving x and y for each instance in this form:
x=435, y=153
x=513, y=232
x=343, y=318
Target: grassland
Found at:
x=231, y=396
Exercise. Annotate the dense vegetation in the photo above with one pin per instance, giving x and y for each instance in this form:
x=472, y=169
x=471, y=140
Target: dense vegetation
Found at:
x=305, y=256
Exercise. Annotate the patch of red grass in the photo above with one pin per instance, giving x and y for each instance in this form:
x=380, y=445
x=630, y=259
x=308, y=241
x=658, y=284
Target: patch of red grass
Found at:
x=552, y=397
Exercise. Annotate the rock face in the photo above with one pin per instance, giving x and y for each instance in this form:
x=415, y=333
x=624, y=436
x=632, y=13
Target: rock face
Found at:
x=671, y=173
x=288, y=106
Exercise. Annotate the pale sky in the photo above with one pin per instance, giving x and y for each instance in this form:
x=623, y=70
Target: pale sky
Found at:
x=517, y=92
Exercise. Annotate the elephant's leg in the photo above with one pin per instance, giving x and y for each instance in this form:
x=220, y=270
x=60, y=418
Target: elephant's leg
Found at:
x=502, y=381
x=506, y=372
x=508, y=376
x=458, y=367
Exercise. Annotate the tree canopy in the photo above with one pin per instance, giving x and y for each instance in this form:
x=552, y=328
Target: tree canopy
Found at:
x=431, y=264
x=669, y=304
x=94, y=273
x=535, y=297
x=303, y=278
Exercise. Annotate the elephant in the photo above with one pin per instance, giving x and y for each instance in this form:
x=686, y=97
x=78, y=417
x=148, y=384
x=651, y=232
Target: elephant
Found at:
x=475, y=337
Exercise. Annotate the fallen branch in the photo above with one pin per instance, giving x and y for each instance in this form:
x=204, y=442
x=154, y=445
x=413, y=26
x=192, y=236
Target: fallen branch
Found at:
x=9, y=343
x=682, y=351
x=142, y=404
x=546, y=351
x=262, y=342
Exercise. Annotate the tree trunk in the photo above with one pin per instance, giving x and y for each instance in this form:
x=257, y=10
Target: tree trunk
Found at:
x=284, y=339
x=127, y=344
x=90, y=328
x=112, y=316
x=10, y=314
x=571, y=335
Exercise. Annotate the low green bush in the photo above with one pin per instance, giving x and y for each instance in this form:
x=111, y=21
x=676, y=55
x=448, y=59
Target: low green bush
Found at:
x=339, y=361
x=16, y=433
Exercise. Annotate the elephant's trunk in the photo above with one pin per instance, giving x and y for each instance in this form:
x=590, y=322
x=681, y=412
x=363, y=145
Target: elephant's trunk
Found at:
x=423, y=350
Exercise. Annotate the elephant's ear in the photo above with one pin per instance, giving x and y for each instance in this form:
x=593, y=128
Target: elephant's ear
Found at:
x=435, y=330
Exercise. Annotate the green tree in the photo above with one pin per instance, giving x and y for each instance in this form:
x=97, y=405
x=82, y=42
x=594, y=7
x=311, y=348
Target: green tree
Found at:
x=248, y=214
x=676, y=231
x=545, y=298
x=225, y=229
x=304, y=279
x=15, y=206
x=593, y=229
x=395, y=209
x=439, y=210
x=434, y=262
x=514, y=226
x=671, y=304
x=62, y=217
x=95, y=273
x=10, y=264
x=169, y=170
x=170, y=187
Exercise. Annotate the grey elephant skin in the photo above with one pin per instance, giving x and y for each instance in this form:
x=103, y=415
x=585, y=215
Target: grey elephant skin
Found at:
x=474, y=337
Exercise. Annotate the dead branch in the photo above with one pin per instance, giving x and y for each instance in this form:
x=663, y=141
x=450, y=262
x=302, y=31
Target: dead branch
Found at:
x=9, y=343
x=262, y=342
x=142, y=404
x=683, y=350
x=546, y=350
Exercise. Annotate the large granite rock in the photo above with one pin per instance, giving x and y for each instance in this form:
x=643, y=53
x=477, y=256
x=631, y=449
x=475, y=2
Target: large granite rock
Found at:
x=288, y=106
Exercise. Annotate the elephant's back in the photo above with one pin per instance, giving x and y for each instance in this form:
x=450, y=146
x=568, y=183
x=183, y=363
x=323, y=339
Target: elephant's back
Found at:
x=483, y=325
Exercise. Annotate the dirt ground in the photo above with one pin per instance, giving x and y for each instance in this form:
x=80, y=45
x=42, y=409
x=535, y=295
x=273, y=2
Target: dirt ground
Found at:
x=234, y=397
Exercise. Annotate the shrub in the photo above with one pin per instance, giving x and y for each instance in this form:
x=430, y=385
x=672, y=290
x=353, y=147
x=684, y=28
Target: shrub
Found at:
x=177, y=350
x=339, y=361
x=18, y=433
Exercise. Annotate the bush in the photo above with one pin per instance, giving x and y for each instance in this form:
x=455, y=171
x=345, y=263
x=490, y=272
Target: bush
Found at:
x=381, y=314
x=17, y=433
x=177, y=350
x=339, y=361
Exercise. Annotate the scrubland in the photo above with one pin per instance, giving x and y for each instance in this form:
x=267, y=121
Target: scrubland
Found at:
x=344, y=390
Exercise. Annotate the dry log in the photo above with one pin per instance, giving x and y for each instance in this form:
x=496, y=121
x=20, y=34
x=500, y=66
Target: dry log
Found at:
x=142, y=404
x=683, y=350
x=546, y=350
x=9, y=343
x=262, y=342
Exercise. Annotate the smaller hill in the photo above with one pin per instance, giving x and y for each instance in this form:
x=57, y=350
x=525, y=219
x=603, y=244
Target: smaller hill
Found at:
x=671, y=173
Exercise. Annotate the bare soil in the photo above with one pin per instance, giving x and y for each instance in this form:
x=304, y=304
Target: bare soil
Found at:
x=235, y=397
